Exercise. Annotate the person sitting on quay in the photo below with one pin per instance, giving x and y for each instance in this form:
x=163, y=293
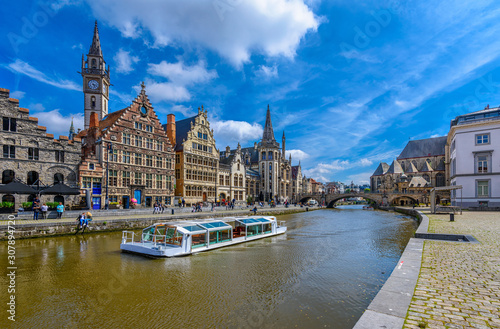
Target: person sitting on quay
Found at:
x=60, y=210
x=88, y=216
x=254, y=210
x=81, y=223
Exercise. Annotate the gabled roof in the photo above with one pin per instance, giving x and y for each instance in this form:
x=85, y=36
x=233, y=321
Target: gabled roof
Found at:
x=254, y=154
x=395, y=168
x=381, y=169
x=424, y=148
x=441, y=165
x=418, y=181
x=426, y=167
x=111, y=118
x=411, y=168
x=226, y=160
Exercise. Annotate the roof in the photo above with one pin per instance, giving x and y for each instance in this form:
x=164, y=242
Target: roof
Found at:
x=252, y=172
x=441, y=165
x=182, y=127
x=426, y=167
x=395, y=168
x=381, y=169
x=109, y=119
x=411, y=168
x=418, y=181
x=254, y=154
x=424, y=148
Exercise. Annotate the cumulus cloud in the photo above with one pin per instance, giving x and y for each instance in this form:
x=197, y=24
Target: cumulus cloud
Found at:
x=20, y=67
x=232, y=132
x=324, y=171
x=361, y=178
x=234, y=29
x=124, y=61
x=267, y=72
x=57, y=123
x=182, y=74
x=165, y=91
x=185, y=111
x=297, y=154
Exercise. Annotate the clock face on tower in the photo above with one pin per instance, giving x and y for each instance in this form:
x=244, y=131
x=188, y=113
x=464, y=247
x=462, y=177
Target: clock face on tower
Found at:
x=93, y=84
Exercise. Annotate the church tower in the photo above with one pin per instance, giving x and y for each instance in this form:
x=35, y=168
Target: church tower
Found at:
x=95, y=81
x=269, y=156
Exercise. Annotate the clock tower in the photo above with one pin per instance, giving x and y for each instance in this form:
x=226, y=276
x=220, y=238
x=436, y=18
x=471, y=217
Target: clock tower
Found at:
x=95, y=81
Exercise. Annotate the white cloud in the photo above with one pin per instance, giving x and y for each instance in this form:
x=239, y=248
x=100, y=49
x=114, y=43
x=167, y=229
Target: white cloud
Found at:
x=185, y=111
x=37, y=107
x=361, y=178
x=181, y=74
x=324, y=171
x=232, y=132
x=165, y=91
x=17, y=94
x=57, y=123
x=297, y=155
x=124, y=61
x=234, y=29
x=267, y=72
x=18, y=66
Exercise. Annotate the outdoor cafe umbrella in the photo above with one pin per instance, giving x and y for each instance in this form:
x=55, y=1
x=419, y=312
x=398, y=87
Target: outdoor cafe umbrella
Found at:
x=62, y=189
x=17, y=187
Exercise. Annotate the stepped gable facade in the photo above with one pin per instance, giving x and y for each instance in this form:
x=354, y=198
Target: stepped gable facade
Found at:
x=33, y=156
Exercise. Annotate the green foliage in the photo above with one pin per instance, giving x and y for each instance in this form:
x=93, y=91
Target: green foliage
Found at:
x=367, y=190
x=249, y=199
x=52, y=205
x=27, y=205
x=422, y=324
x=6, y=204
x=114, y=203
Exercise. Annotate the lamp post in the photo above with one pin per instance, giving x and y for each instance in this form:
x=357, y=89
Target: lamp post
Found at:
x=216, y=176
x=110, y=152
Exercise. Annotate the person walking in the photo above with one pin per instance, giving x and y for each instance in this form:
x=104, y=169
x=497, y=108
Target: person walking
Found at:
x=60, y=210
x=183, y=203
x=180, y=203
x=44, y=208
x=36, y=210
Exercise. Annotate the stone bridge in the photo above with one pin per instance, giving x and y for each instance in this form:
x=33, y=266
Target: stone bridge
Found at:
x=380, y=199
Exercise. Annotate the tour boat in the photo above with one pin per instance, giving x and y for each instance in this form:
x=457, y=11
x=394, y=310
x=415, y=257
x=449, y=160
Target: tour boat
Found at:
x=189, y=237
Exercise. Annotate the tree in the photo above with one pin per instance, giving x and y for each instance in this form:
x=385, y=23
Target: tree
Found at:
x=249, y=199
x=367, y=190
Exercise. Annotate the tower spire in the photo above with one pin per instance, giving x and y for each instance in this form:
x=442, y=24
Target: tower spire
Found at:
x=268, y=129
x=71, y=130
x=95, y=47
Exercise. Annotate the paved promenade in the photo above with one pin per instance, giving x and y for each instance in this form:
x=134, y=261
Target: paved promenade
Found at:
x=459, y=283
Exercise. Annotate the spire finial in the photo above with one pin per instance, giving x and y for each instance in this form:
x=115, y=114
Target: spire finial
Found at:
x=143, y=87
x=95, y=47
x=268, y=128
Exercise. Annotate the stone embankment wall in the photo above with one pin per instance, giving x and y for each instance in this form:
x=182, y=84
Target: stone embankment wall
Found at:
x=42, y=228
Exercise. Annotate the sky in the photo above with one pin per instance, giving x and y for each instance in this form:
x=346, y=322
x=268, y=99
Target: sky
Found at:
x=349, y=82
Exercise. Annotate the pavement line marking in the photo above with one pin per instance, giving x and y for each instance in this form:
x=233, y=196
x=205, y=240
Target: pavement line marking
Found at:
x=400, y=264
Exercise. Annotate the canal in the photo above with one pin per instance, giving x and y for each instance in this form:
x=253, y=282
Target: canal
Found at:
x=321, y=274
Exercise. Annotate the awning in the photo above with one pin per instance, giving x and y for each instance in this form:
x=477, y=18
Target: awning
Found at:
x=16, y=187
x=60, y=188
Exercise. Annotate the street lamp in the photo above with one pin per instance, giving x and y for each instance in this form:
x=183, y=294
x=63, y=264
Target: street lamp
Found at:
x=110, y=152
x=216, y=176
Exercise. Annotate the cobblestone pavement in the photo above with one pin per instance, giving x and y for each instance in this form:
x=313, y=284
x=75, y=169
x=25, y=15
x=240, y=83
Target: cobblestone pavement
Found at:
x=459, y=283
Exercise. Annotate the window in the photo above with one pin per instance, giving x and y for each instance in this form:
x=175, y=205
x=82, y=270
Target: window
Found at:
x=177, y=158
x=9, y=124
x=235, y=180
x=91, y=166
x=9, y=151
x=33, y=153
x=138, y=125
x=32, y=178
x=482, y=139
x=263, y=155
x=159, y=146
x=59, y=156
x=149, y=143
x=138, y=141
x=177, y=174
x=126, y=138
x=149, y=160
x=482, y=164
x=92, y=102
x=159, y=181
x=149, y=180
x=138, y=159
x=149, y=128
x=113, y=155
x=138, y=178
x=205, y=136
x=200, y=135
x=58, y=178
x=86, y=182
x=452, y=146
x=113, y=177
x=168, y=163
x=210, y=149
x=125, y=178
x=126, y=157
x=483, y=188
x=169, y=182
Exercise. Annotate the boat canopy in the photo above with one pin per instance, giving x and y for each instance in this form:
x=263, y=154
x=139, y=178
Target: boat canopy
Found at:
x=253, y=221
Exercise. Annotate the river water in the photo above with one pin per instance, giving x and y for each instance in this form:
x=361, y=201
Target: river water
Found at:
x=322, y=273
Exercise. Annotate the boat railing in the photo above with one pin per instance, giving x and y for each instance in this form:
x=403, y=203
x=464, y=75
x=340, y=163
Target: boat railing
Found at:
x=128, y=236
x=282, y=223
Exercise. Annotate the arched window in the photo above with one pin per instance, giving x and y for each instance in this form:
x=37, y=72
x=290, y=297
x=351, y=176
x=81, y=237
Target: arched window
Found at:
x=32, y=177
x=263, y=155
x=8, y=198
x=94, y=63
x=8, y=176
x=270, y=155
x=92, y=101
x=58, y=178
x=59, y=198
x=440, y=180
x=235, y=180
x=241, y=180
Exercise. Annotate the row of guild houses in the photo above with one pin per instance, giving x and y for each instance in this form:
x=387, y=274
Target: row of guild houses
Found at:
x=128, y=157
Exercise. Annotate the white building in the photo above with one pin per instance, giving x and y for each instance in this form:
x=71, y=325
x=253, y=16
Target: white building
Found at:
x=473, y=157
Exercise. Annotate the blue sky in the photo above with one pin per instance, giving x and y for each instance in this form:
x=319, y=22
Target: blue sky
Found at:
x=350, y=82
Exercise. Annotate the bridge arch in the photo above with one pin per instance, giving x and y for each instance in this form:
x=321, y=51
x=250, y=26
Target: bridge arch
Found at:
x=404, y=200
x=331, y=201
x=311, y=197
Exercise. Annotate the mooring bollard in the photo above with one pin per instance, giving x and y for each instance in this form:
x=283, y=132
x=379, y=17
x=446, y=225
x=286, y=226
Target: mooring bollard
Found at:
x=452, y=217
x=307, y=208
x=172, y=211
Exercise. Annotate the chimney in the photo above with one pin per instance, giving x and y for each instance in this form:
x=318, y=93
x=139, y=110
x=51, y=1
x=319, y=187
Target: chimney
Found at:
x=94, y=120
x=228, y=151
x=255, y=145
x=171, y=129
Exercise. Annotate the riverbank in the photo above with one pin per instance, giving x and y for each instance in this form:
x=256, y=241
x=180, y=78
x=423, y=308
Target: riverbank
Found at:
x=459, y=283
x=109, y=221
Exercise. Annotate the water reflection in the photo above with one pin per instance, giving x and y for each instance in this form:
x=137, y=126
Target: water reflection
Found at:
x=322, y=273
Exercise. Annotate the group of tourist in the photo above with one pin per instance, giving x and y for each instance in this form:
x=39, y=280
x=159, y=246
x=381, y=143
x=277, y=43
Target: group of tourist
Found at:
x=44, y=208
x=83, y=221
x=158, y=208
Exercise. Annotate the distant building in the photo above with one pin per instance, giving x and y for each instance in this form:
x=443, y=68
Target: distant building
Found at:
x=33, y=156
x=473, y=153
x=196, y=158
x=232, y=176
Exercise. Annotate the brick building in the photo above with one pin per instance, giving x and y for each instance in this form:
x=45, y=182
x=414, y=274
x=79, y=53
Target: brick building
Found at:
x=33, y=156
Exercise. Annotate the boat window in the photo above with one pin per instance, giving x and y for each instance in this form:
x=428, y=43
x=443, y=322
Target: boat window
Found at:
x=192, y=228
x=173, y=236
x=254, y=230
x=198, y=240
x=220, y=236
x=266, y=228
x=147, y=233
x=213, y=225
